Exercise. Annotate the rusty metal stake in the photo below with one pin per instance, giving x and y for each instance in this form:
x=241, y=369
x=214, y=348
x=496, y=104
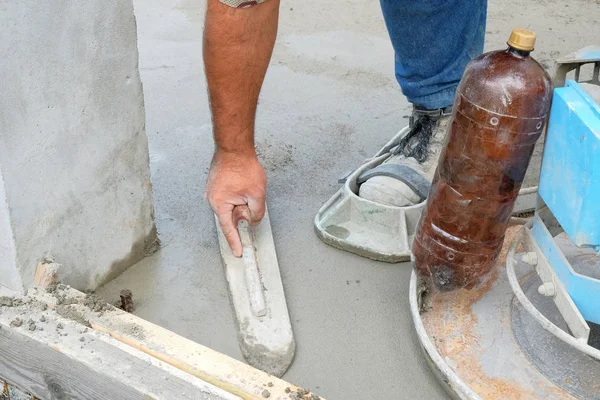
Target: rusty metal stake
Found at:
x=126, y=300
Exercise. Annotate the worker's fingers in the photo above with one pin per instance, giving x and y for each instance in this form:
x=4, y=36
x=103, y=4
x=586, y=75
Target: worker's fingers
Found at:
x=256, y=210
x=230, y=231
x=240, y=213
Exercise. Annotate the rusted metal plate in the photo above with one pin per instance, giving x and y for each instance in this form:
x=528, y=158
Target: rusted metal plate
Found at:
x=471, y=331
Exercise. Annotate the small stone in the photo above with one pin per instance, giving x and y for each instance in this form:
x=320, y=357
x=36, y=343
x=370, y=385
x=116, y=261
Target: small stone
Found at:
x=69, y=301
x=82, y=339
x=287, y=390
x=42, y=319
x=40, y=328
x=266, y=394
x=32, y=326
x=6, y=301
x=44, y=307
x=59, y=325
x=17, y=322
x=270, y=384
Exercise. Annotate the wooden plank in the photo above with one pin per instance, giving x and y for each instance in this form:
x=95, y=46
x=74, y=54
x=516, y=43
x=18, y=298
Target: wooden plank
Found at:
x=209, y=365
x=46, y=274
x=65, y=360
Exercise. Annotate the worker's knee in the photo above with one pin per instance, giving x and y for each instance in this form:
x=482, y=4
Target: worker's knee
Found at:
x=241, y=3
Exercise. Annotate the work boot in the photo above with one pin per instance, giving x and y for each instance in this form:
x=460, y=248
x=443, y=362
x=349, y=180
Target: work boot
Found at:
x=405, y=177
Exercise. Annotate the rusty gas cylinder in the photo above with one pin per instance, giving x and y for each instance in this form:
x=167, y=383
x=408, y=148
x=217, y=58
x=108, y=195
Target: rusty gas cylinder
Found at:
x=500, y=110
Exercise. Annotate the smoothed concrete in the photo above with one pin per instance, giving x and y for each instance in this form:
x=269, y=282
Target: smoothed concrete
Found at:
x=73, y=149
x=329, y=101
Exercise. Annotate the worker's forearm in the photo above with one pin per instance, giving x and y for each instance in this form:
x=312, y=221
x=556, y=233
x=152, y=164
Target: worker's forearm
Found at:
x=238, y=43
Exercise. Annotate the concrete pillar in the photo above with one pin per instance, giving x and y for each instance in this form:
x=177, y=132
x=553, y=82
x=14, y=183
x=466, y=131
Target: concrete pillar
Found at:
x=74, y=167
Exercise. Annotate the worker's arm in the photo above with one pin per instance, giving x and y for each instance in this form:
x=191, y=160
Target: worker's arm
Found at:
x=238, y=43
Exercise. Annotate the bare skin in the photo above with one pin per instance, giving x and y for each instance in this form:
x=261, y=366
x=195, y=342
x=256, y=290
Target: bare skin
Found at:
x=238, y=43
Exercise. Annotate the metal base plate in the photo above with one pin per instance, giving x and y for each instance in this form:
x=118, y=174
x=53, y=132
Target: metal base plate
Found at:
x=484, y=346
x=571, y=370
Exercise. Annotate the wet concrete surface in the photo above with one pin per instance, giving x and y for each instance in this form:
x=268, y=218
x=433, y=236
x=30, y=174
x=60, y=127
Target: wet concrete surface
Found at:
x=329, y=101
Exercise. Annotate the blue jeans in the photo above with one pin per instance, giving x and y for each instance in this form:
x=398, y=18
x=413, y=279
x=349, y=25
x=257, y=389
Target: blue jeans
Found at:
x=434, y=40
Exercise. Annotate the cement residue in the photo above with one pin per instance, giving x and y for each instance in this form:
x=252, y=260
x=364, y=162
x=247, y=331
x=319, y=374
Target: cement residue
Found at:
x=62, y=299
x=52, y=288
x=302, y=394
x=96, y=303
x=6, y=301
x=134, y=330
x=91, y=300
x=530, y=258
x=17, y=322
x=152, y=245
x=31, y=324
x=72, y=314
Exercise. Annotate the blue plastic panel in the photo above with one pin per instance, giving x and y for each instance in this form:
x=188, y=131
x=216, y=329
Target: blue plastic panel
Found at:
x=570, y=177
x=584, y=291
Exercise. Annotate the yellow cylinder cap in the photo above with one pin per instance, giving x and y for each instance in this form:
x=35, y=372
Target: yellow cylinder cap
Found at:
x=522, y=39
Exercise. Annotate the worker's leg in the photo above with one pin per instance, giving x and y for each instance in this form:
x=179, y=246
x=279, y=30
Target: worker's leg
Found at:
x=433, y=42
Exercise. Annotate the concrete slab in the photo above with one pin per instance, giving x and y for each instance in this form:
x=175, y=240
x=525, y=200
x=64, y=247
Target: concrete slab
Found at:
x=73, y=150
x=330, y=100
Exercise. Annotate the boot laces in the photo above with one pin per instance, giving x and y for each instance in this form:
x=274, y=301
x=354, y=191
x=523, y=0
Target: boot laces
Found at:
x=415, y=144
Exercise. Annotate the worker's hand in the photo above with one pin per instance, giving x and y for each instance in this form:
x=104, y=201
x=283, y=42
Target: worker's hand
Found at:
x=236, y=179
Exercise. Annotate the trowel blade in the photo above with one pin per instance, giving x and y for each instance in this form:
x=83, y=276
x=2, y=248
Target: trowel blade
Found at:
x=256, y=291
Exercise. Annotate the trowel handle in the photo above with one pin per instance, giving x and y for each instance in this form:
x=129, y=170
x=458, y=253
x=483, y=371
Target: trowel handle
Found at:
x=243, y=226
x=251, y=270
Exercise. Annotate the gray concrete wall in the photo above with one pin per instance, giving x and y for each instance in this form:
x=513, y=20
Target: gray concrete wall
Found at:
x=73, y=148
x=9, y=273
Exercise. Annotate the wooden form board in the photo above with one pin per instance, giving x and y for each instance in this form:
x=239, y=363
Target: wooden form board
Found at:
x=122, y=340
x=67, y=362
